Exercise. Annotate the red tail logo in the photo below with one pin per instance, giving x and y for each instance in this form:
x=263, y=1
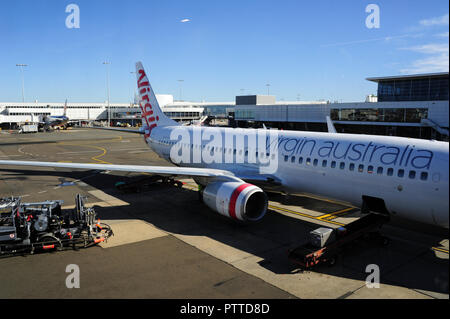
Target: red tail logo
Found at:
x=146, y=110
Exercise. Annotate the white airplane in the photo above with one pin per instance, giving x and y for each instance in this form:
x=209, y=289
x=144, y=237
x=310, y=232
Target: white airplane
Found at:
x=382, y=174
x=52, y=121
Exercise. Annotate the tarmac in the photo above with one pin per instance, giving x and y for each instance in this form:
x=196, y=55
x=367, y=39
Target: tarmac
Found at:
x=167, y=244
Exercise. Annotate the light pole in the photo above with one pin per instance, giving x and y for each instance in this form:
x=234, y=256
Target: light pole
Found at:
x=107, y=88
x=181, y=82
x=23, y=81
x=268, y=85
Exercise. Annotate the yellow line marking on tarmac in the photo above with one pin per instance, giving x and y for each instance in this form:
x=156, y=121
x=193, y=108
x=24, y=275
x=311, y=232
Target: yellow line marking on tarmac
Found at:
x=304, y=215
x=442, y=250
x=331, y=215
x=97, y=157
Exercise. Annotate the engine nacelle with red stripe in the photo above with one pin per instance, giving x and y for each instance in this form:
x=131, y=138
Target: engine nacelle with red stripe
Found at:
x=240, y=201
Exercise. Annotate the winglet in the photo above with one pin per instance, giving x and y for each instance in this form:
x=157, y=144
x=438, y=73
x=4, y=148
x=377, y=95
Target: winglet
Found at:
x=330, y=125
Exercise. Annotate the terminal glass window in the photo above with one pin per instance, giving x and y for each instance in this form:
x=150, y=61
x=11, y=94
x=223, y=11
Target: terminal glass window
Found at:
x=394, y=115
x=420, y=89
x=433, y=87
x=386, y=91
x=416, y=115
x=402, y=115
x=439, y=88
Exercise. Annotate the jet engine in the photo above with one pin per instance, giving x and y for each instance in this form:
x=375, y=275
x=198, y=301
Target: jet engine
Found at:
x=237, y=200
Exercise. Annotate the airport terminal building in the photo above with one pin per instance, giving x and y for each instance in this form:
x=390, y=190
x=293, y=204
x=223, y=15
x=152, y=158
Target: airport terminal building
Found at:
x=409, y=105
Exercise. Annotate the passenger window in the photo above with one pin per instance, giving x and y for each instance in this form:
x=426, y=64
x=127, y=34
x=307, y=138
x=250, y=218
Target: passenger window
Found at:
x=286, y=158
x=424, y=176
x=315, y=162
x=380, y=170
x=333, y=164
x=293, y=159
x=412, y=174
x=351, y=167
x=360, y=168
x=400, y=173
x=370, y=169
x=300, y=160
x=390, y=171
x=246, y=153
x=342, y=165
x=308, y=161
x=324, y=163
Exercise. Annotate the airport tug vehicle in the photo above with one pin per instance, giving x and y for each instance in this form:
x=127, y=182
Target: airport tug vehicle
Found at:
x=325, y=244
x=26, y=228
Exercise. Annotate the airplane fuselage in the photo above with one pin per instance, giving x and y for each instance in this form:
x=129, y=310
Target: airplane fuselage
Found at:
x=401, y=176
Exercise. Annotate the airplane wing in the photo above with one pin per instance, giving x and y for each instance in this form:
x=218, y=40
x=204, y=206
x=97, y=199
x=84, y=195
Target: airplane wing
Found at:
x=160, y=170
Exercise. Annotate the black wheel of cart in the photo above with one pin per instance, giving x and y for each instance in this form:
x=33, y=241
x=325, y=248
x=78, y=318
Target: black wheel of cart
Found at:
x=179, y=184
x=332, y=261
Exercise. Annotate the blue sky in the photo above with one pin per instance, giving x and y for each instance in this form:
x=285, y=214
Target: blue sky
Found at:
x=304, y=49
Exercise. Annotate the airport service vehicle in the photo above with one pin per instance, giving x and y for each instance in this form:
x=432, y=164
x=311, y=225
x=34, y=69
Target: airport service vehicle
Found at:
x=325, y=244
x=28, y=128
x=380, y=174
x=43, y=226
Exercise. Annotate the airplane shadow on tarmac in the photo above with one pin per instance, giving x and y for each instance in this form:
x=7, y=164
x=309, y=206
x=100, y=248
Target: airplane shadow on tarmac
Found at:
x=402, y=263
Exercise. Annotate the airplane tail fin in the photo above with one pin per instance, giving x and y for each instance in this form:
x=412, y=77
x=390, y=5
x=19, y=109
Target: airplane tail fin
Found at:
x=152, y=115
